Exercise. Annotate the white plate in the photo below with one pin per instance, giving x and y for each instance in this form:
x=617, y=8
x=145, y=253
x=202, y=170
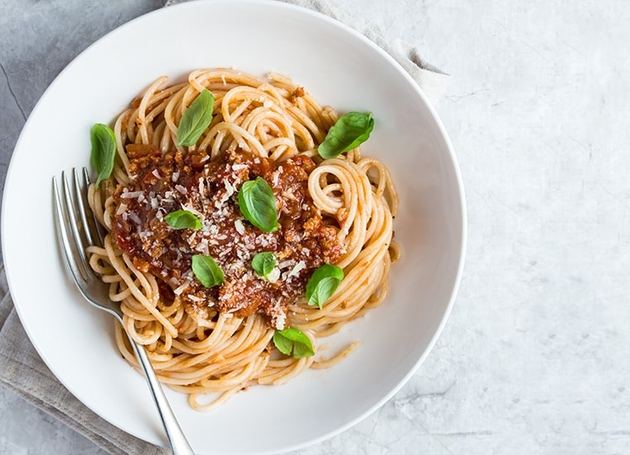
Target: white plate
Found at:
x=339, y=67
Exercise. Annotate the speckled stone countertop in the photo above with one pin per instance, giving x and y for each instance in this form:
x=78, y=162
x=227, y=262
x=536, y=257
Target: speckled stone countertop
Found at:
x=534, y=358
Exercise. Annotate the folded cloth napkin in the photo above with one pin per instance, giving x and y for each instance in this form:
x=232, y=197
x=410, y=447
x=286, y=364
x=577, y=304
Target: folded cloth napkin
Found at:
x=22, y=370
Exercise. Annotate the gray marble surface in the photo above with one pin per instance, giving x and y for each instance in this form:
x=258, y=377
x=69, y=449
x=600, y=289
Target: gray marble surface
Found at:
x=534, y=358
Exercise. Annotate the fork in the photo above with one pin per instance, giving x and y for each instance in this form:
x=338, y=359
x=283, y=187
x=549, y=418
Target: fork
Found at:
x=76, y=231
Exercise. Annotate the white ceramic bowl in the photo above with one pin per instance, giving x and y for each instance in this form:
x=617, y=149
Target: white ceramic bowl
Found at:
x=340, y=68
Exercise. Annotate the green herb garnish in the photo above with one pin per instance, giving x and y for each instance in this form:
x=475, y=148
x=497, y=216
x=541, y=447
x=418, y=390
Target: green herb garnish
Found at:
x=323, y=284
x=207, y=271
x=183, y=219
x=351, y=130
x=195, y=119
x=264, y=263
x=293, y=342
x=103, y=151
x=258, y=204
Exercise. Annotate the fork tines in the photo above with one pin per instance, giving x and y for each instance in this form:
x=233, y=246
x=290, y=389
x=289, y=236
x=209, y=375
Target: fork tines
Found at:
x=77, y=227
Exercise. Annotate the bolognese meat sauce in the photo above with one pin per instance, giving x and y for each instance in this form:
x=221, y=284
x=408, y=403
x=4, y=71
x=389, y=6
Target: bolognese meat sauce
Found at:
x=163, y=183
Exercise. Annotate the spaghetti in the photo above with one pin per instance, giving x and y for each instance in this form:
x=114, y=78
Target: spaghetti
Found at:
x=213, y=342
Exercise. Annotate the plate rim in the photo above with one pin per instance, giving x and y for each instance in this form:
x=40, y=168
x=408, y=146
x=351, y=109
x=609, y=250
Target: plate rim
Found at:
x=200, y=4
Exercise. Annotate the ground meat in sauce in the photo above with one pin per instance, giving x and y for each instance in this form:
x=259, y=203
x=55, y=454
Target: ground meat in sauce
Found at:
x=161, y=184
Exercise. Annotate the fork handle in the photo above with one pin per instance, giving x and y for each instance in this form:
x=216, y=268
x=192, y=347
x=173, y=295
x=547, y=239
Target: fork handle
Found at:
x=176, y=438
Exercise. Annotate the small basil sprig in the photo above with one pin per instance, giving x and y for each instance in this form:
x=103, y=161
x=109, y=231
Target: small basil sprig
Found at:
x=207, y=270
x=293, y=342
x=103, y=151
x=264, y=264
x=258, y=204
x=195, y=119
x=350, y=130
x=183, y=219
x=322, y=284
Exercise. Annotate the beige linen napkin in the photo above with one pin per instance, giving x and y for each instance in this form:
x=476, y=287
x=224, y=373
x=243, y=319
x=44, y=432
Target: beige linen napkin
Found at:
x=22, y=370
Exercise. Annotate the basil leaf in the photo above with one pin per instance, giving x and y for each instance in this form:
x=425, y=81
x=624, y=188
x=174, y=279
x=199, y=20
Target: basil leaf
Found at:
x=264, y=263
x=183, y=219
x=207, y=270
x=258, y=204
x=103, y=151
x=323, y=284
x=195, y=119
x=351, y=130
x=293, y=342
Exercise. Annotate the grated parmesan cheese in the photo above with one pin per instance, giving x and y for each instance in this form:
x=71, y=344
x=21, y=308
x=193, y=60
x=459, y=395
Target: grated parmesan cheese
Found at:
x=240, y=227
x=274, y=275
x=130, y=194
x=298, y=267
x=178, y=290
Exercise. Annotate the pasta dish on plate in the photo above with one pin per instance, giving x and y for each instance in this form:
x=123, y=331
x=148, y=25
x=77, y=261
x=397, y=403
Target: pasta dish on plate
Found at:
x=242, y=227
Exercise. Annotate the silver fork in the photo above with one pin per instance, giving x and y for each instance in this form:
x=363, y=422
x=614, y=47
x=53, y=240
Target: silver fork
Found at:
x=76, y=231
